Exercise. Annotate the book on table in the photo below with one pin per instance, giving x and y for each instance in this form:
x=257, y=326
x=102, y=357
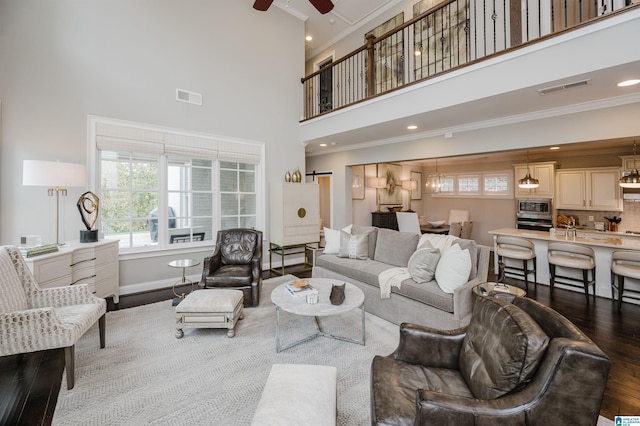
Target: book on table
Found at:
x=300, y=291
x=38, y=250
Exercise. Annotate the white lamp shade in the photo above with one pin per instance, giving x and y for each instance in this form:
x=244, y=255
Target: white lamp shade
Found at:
x=53, y=174
x=409, y=185
x=378, y=182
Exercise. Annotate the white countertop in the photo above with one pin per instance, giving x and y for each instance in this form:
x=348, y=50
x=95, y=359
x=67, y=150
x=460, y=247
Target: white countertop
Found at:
x=587, y=237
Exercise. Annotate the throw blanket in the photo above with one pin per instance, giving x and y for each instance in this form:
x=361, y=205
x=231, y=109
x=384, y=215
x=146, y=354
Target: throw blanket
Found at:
x=391, y=277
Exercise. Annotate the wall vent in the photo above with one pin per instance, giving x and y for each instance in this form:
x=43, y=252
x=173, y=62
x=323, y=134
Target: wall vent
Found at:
x=562, y=87
x=188, y=97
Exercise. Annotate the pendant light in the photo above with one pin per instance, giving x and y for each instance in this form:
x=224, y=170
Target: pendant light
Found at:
x=528, y=182
x=435, y=181
x=631, y=180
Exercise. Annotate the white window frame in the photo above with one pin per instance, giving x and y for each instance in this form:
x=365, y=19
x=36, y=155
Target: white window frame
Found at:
x=228, y=149
x=482, y=192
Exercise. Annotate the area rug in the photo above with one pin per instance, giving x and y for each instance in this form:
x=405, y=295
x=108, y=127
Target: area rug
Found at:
x=147, y=376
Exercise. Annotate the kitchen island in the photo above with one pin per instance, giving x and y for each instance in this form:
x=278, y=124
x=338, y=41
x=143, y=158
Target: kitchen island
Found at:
x=602, y=243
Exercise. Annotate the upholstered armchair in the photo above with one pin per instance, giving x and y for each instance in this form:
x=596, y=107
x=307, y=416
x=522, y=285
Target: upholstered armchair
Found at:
x=516, y=363
x=236, y=262
x=34, y=319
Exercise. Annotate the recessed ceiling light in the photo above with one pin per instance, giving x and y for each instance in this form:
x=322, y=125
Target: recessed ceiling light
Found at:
x=333, y=144
x=308, y=38
x=628, y=82
x=323, y=144
x=553, y=148
x=412, y=127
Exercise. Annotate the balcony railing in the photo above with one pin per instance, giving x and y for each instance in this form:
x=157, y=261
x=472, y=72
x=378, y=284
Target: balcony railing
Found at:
x=453, y=34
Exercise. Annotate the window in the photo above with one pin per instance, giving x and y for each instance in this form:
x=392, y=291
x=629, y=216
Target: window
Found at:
x=158, y=187
x=494, y=184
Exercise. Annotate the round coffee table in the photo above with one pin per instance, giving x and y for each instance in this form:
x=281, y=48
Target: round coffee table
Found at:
x=354, y=298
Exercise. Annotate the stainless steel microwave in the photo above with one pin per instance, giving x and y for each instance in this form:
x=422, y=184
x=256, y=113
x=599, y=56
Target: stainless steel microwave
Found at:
x=540, y=208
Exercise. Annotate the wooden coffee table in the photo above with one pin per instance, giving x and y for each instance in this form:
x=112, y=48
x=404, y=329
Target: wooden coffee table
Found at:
x=354, y=298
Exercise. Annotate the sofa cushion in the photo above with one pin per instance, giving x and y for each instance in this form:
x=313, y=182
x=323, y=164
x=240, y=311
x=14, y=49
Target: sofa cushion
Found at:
x=453, y=268
x=473, y=254
x=367, y=271
x=332, y=239
x=354, y=246
x=501, y=350
x=372, y=231
x=395, y=248
x=422, y=264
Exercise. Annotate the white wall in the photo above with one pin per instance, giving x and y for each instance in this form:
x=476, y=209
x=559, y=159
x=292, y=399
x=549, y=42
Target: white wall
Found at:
x=63, y=60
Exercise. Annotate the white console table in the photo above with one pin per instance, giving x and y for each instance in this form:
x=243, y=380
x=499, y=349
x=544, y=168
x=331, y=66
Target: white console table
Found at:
x=95, y=264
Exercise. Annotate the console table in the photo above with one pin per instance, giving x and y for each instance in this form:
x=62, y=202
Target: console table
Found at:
x=96, y=264
x=384, y=220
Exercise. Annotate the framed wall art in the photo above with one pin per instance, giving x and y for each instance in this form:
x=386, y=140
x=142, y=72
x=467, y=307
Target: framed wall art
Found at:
x=392, y=194
x=416, y=194
x=357, y=182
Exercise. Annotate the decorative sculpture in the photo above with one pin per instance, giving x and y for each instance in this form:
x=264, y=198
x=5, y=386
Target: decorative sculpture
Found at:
x=88, y=206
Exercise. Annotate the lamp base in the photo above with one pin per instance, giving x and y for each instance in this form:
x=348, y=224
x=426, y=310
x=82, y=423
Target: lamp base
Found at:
x=90, y=236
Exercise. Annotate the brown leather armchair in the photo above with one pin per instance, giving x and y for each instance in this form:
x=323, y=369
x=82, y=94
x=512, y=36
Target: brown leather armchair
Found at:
x=516, y=363
x=236, y=262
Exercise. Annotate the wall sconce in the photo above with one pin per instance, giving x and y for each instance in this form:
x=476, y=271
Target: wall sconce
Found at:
x=57, y=176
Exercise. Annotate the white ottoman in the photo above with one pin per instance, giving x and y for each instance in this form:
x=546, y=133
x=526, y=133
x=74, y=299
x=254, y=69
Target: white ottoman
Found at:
x=209, y=309
x=298, y=394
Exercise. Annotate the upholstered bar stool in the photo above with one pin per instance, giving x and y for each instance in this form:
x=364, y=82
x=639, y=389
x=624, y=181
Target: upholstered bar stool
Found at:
x=521, y=249
x=572, y=256
x=624, y=264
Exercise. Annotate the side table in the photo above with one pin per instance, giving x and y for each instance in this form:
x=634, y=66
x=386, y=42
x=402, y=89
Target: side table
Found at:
x=489, y=289
x=184, y=264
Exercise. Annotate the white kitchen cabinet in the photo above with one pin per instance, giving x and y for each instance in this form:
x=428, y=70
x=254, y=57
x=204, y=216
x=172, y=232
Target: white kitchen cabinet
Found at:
x=294, y=214
x=96, y=264
x=544, y=172
x=593, y=189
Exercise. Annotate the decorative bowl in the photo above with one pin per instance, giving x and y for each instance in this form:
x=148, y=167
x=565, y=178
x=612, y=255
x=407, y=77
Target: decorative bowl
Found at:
x=394, y=209
x=300, y=283
x=435, y=223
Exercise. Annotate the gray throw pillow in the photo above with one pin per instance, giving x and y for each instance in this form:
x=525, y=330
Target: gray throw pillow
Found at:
x=422, y=264
x=354, y=246
x=373, y=236
x=501, y=350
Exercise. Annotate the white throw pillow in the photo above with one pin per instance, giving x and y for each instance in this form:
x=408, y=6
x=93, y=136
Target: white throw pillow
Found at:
x=453, y=268
x=422, y=264
x=332, y=239
x=443, y=242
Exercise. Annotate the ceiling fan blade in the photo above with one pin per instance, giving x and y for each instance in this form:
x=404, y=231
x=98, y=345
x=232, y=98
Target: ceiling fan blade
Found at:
x=323, y=6
x=262, y=4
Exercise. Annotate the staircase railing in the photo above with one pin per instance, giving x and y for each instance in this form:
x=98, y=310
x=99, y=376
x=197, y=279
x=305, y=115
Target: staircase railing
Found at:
x=450, y=35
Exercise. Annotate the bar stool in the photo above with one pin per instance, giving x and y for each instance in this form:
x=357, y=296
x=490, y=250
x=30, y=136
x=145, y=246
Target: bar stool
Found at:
x=572, y=256
x=624, y=264
x=518, y=249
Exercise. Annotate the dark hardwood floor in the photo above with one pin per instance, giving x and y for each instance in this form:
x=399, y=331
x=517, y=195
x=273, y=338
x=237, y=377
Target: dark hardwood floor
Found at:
x=29, y=383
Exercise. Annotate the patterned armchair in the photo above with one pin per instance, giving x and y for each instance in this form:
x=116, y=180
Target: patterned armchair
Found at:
x=34, y=319
x=236, y=263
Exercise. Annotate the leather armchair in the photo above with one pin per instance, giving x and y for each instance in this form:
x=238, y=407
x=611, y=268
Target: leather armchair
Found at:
x=428, y=380
x=236, y=262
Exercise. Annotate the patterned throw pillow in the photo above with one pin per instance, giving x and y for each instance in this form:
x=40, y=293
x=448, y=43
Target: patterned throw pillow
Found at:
x=354, y=246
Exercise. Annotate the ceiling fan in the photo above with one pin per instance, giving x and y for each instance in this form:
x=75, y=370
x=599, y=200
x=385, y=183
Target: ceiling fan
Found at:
x=323, y=6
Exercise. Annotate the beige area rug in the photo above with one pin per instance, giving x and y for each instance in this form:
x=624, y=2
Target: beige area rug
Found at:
x=147, y=376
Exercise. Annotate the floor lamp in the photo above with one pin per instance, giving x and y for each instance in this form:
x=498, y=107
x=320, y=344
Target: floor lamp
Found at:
x=58, y=177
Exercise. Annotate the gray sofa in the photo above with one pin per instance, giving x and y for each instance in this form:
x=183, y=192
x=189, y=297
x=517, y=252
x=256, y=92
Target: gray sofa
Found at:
x=423, y=303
